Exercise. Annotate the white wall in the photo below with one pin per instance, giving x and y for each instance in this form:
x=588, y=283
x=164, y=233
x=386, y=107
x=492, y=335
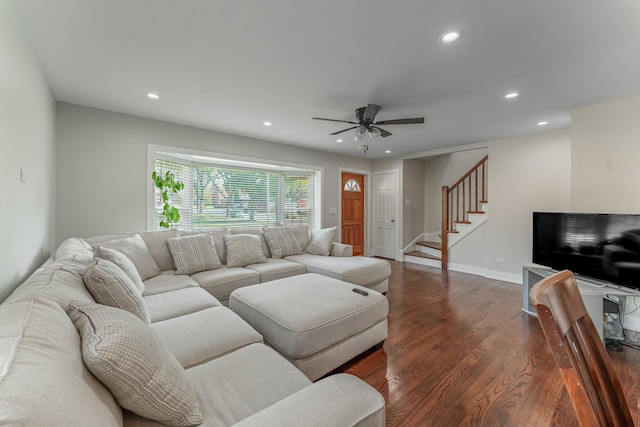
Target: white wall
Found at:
x=526, y=174
x=27, y=118
x=606, y=157
x=102, y=167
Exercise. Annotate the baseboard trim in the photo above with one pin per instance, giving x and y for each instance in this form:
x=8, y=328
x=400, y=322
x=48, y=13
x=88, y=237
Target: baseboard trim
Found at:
x=469, y=269
x=489, y=274
x=505, y=277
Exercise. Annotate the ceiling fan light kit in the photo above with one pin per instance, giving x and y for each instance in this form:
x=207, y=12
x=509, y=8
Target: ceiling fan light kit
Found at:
x=366, y=127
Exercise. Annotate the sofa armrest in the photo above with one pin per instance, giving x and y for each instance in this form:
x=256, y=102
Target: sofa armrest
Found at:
x=341, y=249
x=338, y=400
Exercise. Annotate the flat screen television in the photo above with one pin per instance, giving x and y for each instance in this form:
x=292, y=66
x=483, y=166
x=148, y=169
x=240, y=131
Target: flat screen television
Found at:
x=600, y=246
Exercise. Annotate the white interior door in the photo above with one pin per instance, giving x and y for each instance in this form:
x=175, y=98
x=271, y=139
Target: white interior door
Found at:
x=385, y=209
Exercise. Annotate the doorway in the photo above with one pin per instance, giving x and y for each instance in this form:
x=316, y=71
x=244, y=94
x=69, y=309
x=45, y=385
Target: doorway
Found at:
x=353, y=206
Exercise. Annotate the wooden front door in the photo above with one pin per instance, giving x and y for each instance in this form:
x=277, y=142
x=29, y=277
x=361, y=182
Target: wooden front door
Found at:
x=353, y=211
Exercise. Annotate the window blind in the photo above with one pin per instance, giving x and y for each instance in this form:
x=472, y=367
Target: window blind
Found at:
x=224, y=196
x=181, y=200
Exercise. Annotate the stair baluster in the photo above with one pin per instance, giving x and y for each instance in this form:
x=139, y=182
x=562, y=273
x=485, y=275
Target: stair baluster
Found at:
x=451, y=204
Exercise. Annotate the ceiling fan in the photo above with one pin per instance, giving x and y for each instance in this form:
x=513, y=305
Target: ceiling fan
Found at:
x=365, y=125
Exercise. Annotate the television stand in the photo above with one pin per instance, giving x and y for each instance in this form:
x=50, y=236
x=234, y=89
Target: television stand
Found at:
x=593, y=293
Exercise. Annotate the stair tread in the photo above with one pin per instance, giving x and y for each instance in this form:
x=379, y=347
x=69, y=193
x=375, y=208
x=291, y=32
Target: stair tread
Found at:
x=475, y=212
x=422, y=255
x=483, y=201
x=452, y=231
x=434, y=245
x=463, y=222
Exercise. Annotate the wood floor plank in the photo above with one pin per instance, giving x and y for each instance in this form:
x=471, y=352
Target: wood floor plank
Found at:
x=460, y=352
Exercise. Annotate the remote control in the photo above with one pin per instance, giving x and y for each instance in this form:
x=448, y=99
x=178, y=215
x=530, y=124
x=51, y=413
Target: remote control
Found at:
x=360, y=291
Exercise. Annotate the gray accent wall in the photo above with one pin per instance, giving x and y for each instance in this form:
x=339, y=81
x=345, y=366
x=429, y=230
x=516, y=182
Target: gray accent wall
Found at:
x=412, y=199
x=27, y=118
x=102, y=167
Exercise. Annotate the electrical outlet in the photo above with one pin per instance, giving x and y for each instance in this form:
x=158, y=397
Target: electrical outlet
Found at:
x=407, y=201
x=501, y=260
x=333, y=211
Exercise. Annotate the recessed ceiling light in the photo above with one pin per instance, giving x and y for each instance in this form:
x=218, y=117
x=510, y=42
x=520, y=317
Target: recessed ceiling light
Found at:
x=450, y=36
x=511, y=95
x=543, y=123
x=338, y=140
x=151, y=95
x=387, y=151
x=267, y=123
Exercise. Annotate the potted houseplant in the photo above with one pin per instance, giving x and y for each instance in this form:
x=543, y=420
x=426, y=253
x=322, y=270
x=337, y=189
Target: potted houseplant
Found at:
x=165, y=184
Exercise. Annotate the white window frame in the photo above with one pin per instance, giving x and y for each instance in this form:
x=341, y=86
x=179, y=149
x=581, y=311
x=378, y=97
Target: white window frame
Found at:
x=154, y=150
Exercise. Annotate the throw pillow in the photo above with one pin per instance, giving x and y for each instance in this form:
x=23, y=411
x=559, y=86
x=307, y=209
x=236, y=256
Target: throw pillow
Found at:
x=321, y=240
x=111, y=286
x=128, y=358
x=137, y=251
x=243, y=249
x=282, y=241
x=121, y=260
x=258, y=232
x=192, y=254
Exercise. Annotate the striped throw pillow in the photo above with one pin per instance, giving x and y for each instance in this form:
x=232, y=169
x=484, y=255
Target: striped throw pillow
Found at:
x=192, y=254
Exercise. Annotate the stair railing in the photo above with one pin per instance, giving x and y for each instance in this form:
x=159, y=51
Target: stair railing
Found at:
x=461, y=199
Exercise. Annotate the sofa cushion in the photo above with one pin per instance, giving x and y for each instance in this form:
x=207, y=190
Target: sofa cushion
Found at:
x=282, y=241
x=129, y=359
x=166, y=282
x=59, y=280
x=302, y=235
x=169, y=305
x=43, y=381
x=352, y=401
x=218, y=239
x=73, y=248
x=243, y=249
x=110, y=286
x=277, y=269
x=192, y=254
x=256, y=231
x=320, y=242
x=137, y=251
x=221, y=282
x=156, y=241
x=359, y=270
x=122, y=261
x=246, y=381
x=204, y=335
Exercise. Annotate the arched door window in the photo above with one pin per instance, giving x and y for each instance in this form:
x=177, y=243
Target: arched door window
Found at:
x=352, y=185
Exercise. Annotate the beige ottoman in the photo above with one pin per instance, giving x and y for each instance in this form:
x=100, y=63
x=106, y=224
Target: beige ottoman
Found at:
x=316, y=322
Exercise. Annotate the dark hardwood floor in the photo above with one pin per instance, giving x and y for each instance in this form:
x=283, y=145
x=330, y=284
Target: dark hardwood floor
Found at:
x=460, y=352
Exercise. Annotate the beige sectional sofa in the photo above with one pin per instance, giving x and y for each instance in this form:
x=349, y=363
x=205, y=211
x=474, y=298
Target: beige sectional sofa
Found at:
x=237, y=379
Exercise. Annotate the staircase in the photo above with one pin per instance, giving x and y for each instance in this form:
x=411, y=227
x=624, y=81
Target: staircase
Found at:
x=464, y=208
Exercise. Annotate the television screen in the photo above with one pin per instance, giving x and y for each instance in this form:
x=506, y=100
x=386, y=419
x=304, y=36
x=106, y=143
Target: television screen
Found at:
x=602, y=246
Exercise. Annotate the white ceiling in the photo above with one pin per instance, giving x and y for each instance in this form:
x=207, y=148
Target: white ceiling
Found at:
x=230, y=65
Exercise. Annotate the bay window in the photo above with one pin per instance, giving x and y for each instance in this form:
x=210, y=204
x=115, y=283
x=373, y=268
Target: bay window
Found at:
x=229, y=195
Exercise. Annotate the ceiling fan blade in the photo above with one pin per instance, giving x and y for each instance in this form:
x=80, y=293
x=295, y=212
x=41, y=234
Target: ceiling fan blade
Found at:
x=370, y=112
x=400, y=121
x=360, y=114
x=383, y=132
x=334, y=120
x=343, y=130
